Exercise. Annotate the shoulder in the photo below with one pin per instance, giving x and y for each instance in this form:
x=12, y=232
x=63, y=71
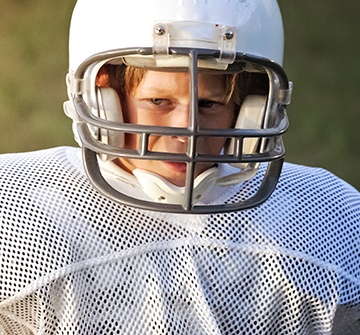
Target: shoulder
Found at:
x=34, y=159
x=307, y=192
x=34, y=188
x=312, y=218
x=24, y=175
x=311, y=211
x=35, y=182
x=315, y=183
x=315, y=212
x=29, y=167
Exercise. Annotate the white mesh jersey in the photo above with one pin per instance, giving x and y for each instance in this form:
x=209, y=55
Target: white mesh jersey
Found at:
x=73, y=262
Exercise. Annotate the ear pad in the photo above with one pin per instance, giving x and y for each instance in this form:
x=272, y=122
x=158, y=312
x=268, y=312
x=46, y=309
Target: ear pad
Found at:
x=251, y=116
x=109, y=108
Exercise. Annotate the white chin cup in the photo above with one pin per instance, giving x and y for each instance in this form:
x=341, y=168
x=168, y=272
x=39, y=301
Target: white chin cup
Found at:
x=160, y=190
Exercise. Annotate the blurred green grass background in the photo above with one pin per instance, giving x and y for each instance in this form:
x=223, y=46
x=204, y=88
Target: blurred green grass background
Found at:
x=322, y=58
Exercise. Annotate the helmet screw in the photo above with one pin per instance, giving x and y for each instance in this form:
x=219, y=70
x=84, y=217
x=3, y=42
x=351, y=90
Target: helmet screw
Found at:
x=229, y=35
x=160, y=30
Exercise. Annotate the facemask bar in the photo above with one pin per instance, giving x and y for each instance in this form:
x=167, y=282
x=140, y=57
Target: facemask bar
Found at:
x=91, y=147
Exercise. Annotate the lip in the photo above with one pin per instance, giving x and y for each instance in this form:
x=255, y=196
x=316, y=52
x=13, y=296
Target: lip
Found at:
x=176, y=166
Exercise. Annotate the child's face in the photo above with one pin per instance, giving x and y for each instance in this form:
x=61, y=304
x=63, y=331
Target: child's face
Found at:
x=163, y=99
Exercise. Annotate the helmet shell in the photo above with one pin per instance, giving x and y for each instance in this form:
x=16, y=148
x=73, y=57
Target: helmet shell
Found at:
x=99, y=26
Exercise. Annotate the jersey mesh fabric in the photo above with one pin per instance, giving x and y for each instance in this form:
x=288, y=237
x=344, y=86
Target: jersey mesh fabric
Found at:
x=73, y=262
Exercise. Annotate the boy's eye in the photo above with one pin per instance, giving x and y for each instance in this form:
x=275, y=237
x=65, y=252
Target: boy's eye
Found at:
x=206, y=103
x=156, y=101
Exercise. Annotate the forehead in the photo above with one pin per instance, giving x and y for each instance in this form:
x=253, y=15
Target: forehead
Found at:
x=158, y=80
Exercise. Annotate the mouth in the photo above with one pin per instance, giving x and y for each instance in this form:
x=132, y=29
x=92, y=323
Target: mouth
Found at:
x=176, y=166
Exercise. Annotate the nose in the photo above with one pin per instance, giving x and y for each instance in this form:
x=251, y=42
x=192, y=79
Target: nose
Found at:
x=180, y=116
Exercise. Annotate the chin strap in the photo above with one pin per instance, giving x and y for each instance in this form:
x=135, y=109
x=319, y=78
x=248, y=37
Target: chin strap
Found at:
x=160, y=190
x=245, y=174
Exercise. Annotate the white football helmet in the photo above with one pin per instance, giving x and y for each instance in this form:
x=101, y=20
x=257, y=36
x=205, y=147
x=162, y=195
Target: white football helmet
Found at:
x=222, y=36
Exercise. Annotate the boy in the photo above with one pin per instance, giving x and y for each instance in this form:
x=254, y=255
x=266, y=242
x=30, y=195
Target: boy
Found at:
x=175, y=222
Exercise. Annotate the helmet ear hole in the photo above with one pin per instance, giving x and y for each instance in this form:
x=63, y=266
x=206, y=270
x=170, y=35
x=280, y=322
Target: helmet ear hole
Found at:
x=109, y=108
x=251, y=116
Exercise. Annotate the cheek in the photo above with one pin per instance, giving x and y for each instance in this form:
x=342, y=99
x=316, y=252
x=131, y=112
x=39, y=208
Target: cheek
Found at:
x=132, y=141
x=223, y=118
x=129, y=109
x=130, y=116
x=210, y=145
x=214, y=145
